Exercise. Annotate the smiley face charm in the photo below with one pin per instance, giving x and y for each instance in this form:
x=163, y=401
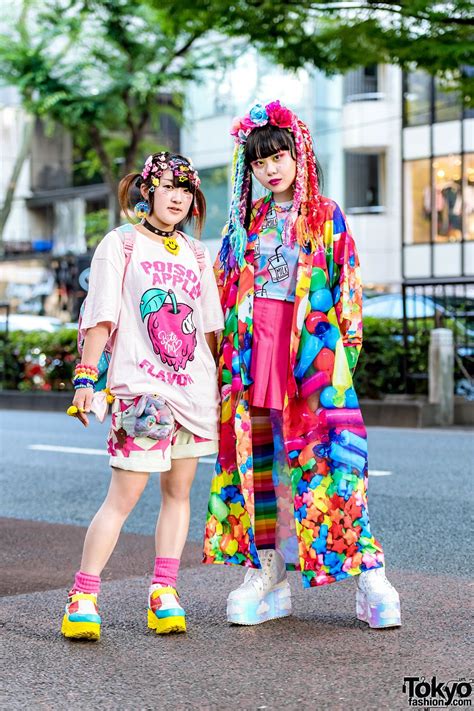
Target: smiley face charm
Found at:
x=171, y=245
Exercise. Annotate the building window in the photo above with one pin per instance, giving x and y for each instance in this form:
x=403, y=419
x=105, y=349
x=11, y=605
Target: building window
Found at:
x=362, y=84
x=468, y=195
x=420, y=92
x=447, y=103
x=363, y=177
x=417, y=201
x=417, y=99
x=447, y=215
x=214, y=184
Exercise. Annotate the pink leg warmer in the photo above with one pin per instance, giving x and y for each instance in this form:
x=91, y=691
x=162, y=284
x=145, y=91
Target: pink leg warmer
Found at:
x=166, y=571
x=85, y=583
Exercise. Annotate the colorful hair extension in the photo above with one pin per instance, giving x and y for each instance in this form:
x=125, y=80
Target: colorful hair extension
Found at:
x=234, y=233
x=305, y=218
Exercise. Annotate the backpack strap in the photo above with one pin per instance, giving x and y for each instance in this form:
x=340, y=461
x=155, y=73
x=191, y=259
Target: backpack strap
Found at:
x=198, y=250
x=127, y=232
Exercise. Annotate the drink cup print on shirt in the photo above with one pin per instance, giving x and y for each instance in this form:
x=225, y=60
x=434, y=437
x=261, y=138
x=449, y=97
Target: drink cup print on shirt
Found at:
x=256, y=249
x=262, y=292
x=278, y=267
x=271, y=219
x=170, y=327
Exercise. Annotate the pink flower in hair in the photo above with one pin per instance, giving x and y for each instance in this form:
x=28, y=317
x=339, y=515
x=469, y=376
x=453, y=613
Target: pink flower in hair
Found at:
x=235, y=128
x=241, y=127
x=279, y=115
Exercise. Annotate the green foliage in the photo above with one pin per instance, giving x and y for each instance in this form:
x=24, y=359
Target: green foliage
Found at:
x=97, y=225
x=380, y=366
x=336, y=36
x=100, y=70
x=45, y=361
x=38, y=360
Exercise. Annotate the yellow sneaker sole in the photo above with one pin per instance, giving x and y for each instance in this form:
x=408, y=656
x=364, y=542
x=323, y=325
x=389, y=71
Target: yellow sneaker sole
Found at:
x=80, y=630
x=165, y=625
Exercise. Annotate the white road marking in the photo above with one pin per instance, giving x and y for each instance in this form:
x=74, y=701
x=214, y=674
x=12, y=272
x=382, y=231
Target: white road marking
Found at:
x=68, y=450
x=103, y=453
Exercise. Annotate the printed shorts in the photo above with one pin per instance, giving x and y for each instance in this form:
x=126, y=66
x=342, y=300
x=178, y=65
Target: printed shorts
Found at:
x=143, y=454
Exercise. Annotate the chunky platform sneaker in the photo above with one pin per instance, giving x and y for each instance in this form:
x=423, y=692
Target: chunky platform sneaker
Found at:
x=377, y=601
x=264, y=595
x=165, y=614
x=81, y=618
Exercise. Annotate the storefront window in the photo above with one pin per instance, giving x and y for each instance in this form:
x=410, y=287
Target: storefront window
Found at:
x=468, y=195
x=214, y=184
x=448, y=209
x=417, y=99
x=417, y=201
x=447, y=103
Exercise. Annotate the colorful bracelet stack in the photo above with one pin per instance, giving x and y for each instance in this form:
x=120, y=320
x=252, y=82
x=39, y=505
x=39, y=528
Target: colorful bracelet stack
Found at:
x=85, y=376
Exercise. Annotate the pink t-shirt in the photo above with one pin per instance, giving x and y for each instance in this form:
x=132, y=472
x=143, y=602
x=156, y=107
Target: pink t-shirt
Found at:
x=161, y=314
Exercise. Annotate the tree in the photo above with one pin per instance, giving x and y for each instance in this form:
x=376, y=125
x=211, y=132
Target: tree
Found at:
x=98, y=69
x=338, y=36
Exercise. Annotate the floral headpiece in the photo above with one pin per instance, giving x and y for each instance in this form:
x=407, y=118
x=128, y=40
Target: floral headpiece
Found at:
x=304, y=220
x=182, y=169
x=258, y=116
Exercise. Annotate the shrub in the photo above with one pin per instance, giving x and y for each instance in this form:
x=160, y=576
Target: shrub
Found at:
x=45, y=361
x=380, y=367
x=37, y=360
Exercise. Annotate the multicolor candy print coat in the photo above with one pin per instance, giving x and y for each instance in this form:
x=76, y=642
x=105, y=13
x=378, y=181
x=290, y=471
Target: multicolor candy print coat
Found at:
x=320, y=461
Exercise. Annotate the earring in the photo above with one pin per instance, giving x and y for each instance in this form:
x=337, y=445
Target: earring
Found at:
x=141, y=209
x=195, y=210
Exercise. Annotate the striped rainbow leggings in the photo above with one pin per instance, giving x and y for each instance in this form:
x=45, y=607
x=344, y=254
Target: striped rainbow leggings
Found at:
x=264, y=490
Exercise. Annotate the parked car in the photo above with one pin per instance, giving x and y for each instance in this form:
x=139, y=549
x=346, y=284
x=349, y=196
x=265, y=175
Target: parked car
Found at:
x=391, y=306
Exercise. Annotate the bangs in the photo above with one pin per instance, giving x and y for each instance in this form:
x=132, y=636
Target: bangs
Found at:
x=178, y=182
x=266, y=141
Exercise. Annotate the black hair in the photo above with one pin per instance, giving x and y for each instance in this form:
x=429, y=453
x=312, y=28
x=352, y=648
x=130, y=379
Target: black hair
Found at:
x=129, y=192
x=268, y=140
x=265, y=141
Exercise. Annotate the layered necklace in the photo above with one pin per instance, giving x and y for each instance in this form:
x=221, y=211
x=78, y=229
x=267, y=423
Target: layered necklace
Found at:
x=169, y=240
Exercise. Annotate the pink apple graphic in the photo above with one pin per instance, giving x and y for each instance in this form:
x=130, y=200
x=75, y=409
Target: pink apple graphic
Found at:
x=170, y=327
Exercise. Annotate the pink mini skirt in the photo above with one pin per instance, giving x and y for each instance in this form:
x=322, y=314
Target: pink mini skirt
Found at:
x=270, y=352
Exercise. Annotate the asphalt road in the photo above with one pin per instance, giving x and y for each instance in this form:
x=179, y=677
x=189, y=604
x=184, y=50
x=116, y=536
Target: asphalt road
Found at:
x=420, y=511
x=320, y=658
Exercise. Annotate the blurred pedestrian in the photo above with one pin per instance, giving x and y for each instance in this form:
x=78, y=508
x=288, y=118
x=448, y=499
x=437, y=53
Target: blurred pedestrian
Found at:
x=153, y=305
x=290, y=486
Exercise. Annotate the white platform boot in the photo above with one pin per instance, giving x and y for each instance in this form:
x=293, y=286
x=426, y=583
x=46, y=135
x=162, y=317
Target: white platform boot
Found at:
x=377, y=601
x=264, y=595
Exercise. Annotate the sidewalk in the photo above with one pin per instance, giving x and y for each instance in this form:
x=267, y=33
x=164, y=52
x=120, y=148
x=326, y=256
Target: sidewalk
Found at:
x=320, y=658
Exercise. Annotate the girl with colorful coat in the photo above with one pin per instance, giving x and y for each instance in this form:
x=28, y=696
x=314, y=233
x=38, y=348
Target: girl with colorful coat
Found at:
x=153, y=305
x=290, y=484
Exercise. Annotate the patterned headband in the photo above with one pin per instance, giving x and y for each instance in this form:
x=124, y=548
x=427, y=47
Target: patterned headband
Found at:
x=182, y=169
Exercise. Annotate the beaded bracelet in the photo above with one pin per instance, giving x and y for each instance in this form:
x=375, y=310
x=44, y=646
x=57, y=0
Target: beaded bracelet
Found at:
x=86, y=368
x=85, y=376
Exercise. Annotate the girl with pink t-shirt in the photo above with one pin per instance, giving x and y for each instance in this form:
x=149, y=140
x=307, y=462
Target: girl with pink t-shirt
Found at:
x=153, y=304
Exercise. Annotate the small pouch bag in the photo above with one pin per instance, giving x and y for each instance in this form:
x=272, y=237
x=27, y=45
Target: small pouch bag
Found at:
x=149, y=417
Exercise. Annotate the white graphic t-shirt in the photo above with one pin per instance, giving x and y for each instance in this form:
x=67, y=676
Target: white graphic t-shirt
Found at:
x=275, y=263
x=161, y=314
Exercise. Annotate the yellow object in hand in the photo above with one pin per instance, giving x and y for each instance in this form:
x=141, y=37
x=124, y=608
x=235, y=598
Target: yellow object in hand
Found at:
x=72, y=411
